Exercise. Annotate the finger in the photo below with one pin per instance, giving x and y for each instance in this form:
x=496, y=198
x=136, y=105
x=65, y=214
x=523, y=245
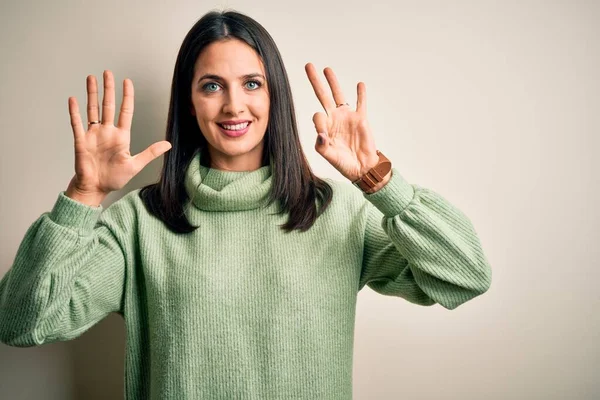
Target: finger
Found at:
x=322, y=145
x=324, y=98
x=153, y=151
x=361, y=98
x=108, y=99
x=76, y=124
x=92, y=99
x=126, y=113
x=320, y=121
x=336, y=90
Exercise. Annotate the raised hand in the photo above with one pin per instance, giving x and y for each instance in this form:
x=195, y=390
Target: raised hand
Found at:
x=103, y=162
x=347, y=141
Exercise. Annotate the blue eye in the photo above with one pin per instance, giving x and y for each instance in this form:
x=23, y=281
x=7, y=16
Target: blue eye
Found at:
x=255, y=82
x=205, y=88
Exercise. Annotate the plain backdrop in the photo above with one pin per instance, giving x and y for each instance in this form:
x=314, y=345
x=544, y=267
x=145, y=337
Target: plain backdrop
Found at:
x=492, y=104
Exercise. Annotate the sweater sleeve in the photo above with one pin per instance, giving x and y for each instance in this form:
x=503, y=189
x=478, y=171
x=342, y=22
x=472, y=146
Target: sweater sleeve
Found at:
x=420, y=247
x=68, y=274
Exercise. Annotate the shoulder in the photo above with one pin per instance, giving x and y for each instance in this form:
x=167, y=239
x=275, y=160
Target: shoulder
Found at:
x=346, y=195
x=128, y=203
x=126, y=212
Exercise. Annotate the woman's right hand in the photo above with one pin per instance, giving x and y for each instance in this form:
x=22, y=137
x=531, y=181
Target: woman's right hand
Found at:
x=103, y=162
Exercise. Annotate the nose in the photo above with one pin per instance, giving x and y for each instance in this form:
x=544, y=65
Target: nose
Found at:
x=233, y=102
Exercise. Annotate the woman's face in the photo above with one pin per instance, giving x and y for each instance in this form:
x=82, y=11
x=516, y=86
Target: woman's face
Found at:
x=229, y=88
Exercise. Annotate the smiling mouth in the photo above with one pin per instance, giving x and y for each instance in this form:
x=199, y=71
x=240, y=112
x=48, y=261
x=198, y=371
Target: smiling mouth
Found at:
x=234, y=130
x=236, y=127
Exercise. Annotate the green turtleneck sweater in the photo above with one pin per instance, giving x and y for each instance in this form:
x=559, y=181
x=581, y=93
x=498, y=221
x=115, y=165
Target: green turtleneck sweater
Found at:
x=237, y=309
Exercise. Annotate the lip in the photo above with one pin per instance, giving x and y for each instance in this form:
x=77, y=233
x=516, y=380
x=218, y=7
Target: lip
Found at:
x=234, y=133
x=234, y=122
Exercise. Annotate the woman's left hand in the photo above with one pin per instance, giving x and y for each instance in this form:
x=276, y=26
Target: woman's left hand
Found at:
x=348, y=144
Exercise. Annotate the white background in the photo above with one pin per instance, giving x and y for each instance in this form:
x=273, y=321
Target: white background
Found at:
x=492, y=104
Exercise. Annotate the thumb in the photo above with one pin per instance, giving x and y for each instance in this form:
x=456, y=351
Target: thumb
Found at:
x=153, y=151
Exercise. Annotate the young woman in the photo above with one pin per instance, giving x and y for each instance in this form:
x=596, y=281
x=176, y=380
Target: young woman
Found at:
x=237, y=273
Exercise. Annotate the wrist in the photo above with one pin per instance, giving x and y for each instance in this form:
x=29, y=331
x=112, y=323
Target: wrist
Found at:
x=381, y=184
x=374, y=174
x=87, y=198
x=372, y=163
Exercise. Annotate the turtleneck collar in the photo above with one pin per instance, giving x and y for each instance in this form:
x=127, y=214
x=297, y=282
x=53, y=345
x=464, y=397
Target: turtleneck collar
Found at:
x=213, y=189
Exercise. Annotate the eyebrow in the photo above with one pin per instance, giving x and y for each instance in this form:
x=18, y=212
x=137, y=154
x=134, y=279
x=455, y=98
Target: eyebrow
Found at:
x=218, y=78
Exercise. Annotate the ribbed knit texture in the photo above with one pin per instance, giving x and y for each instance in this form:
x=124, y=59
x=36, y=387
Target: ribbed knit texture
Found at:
x=237, y=309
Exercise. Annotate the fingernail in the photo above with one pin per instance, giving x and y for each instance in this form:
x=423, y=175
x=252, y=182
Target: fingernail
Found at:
x=321, y=140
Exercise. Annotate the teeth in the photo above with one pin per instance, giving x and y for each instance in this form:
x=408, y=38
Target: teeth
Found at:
x=235, y=127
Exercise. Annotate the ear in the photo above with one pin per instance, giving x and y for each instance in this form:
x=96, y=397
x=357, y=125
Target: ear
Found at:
x=192, y=110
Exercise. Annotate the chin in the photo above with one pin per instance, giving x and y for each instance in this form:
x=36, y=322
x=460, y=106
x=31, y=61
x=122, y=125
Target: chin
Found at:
x=238, y=146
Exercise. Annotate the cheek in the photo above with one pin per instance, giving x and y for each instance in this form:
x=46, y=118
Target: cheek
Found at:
x=205, y=109
x=196, y=106
x=262, y=107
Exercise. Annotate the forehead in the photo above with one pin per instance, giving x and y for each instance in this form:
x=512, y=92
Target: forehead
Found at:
x=228, y=57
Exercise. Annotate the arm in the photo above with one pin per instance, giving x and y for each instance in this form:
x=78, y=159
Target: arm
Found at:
x=420, y=247
x=68, y=274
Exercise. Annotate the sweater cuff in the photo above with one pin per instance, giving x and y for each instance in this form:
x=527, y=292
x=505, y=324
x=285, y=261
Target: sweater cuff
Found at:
x=394, y=196
x=73, y=214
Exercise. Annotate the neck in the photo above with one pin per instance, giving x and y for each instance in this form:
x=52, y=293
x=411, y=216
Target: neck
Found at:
x=250, y=161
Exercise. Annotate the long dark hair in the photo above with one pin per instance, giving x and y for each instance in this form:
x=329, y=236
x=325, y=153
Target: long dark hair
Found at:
x=294, y=186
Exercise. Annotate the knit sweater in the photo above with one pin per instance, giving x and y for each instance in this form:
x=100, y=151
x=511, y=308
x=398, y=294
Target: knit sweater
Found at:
x=237, y=309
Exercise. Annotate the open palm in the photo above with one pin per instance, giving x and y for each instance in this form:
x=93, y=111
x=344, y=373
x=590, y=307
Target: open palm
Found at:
x=103, y=162
x=348, y=142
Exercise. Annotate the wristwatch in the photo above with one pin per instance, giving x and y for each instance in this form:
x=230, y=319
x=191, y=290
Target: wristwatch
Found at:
x=375, y=175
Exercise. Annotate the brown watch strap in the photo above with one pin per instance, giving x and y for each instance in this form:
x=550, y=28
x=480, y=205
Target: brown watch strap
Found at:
x=375, y=175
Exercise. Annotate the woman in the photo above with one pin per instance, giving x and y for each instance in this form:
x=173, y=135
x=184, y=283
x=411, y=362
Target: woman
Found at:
x=237, y=273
